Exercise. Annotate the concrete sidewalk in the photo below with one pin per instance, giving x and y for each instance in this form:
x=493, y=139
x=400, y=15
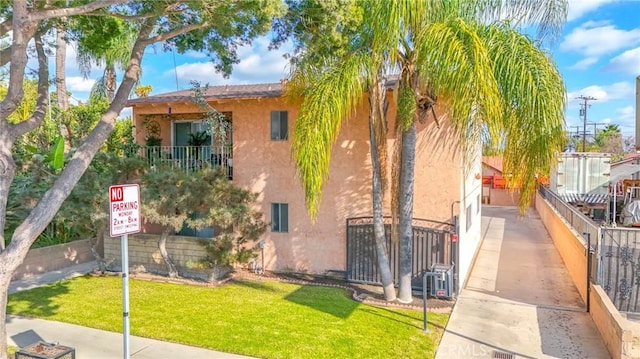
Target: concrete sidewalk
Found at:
x=92, y=343
x=519, y=301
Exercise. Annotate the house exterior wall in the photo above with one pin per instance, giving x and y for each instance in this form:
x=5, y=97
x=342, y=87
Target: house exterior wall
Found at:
x=266, y=167
x=470, y=210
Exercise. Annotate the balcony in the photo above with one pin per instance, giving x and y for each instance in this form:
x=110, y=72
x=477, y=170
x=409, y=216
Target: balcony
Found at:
x=189, y=158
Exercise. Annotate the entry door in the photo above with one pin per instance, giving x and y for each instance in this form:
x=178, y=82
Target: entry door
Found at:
x=182, y=130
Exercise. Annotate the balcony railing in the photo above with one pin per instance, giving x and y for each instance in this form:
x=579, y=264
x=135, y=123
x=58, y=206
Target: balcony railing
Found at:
x=189, y=158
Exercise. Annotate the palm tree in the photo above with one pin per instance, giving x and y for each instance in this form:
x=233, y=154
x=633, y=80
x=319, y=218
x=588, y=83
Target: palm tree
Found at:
x=114, y=56
x=489, y=75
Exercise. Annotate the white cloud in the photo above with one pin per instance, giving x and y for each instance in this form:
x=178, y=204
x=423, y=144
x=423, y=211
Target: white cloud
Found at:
x=595, y=39
x=584, y=64
x=195, y=54
x=578, y=8
x=79, y=83
x=626, y=113
x=616, y=91
x=257, y=65
x=627, y=62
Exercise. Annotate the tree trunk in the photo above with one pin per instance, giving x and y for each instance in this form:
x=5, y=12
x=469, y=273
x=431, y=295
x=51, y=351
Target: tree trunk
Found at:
x=376, y=100
x=61, y=84
x=162, y=245
x=5, y=280
x=37, y=220
x=61, y=53
x=95, y=245
x=406, y=213
x=110, y=81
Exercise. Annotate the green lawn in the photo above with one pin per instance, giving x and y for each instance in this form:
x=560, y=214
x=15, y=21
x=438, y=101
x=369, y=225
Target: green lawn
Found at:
x=258, y=318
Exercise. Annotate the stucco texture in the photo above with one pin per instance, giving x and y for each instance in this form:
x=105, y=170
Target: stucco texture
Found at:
x=266, y=167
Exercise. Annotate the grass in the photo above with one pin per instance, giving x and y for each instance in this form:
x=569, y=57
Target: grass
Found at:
x=257, y=318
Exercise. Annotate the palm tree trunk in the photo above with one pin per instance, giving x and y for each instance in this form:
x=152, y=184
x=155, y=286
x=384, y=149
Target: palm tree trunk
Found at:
x=406, y=213
x=162, y=245
x=376, y=99
x=110, y=81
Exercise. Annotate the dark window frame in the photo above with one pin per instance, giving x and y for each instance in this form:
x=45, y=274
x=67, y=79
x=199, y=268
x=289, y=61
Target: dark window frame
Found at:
x=280, y=217
x=279, y=121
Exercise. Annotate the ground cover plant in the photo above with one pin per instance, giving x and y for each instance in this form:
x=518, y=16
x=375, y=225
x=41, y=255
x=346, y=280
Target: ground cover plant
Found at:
x=266, y=319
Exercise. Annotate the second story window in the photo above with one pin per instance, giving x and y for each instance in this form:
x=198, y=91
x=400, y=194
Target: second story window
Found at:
x=279, y=125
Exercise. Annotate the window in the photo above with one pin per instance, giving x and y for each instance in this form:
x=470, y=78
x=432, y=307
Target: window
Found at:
x=279, y=217
x=469, y=214
x=279, y=122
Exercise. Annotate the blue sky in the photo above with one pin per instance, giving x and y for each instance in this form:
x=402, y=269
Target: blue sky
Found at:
x=598, y=55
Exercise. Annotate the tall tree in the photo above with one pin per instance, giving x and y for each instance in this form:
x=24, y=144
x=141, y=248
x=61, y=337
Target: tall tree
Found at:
x=491, y=86
x=323, y=32
x=183, y=25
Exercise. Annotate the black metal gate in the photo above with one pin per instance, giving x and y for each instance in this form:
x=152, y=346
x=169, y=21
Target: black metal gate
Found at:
x=433, y=242
x=618, y=270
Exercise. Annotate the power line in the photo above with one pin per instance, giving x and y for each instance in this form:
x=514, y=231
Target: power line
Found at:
x=583, y=112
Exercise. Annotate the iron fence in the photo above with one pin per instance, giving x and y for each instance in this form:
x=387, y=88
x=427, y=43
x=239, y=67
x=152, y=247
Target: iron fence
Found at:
x=189, y=158
x=615, y=264
x=619, y=273
x=579, y=221
x=432, y=244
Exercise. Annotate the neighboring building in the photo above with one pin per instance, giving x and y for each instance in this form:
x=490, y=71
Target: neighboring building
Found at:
x=258, y=157
x=494, y=191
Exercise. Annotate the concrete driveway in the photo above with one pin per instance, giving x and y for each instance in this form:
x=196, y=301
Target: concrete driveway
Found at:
x=519, y=301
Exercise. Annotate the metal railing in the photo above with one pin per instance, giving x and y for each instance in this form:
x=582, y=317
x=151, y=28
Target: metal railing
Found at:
x=579, y=221
x=189, y=158
x=619, y=265
x=616, y=262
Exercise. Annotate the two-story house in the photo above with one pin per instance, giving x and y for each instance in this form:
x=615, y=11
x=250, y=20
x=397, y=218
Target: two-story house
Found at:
x=257, y=156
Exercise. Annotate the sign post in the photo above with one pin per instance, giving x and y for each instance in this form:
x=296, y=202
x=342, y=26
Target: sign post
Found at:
x=124, y=209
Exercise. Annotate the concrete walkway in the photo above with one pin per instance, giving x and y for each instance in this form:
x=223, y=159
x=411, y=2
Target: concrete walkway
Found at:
x=519, y=301
x=92, y=343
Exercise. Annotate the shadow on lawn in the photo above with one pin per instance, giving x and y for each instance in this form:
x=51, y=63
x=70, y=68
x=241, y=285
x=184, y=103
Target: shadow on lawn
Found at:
x=327, y=300
x=39, y=301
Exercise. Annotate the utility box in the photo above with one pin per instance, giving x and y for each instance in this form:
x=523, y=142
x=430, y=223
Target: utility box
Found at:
x=581, y=173
x=441, y=285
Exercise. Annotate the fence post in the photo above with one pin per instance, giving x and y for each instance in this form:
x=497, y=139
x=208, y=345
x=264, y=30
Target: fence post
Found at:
x=588, y=272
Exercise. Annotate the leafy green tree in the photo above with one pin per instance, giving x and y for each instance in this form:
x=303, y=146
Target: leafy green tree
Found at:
x=93, y=50
x=491, y=86
x=198, y=200
x=215, y=27
x=609, y=139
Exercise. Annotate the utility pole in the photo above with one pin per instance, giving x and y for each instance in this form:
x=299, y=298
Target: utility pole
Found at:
x=595, y=131
x=583, y=112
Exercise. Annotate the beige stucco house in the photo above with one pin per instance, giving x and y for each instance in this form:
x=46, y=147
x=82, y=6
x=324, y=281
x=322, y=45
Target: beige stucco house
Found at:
x=257, y=154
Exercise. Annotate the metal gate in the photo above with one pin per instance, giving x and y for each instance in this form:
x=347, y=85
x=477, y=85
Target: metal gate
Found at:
x=619, y=269
x=432, y=243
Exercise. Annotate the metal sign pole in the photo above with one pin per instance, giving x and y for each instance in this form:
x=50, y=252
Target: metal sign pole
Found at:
x=125, y=295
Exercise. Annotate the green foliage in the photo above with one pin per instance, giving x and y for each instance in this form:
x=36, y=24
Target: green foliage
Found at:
x=152, y=141
x=200, y=138
x=218, y=125
x=204, y=199
x=318, y=28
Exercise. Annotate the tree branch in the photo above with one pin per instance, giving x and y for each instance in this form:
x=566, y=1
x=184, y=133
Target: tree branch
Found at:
x=52, y=200
x=5, y=56
x=174, y=33
x=23, y=31
x=42, y=102
x=5, y=25
x=70, y=11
